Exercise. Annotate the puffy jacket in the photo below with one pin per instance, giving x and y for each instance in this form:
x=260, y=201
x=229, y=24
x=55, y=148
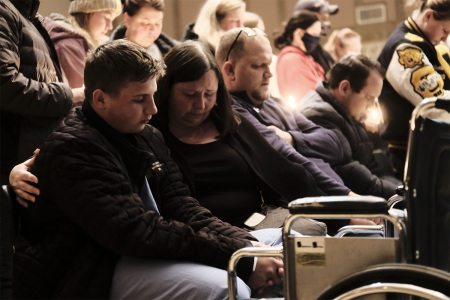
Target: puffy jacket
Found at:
x=32, y=98
x=321, y=107
x=89, y=212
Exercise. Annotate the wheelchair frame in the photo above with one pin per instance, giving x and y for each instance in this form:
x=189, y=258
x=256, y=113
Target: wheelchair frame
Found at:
x=354, y=207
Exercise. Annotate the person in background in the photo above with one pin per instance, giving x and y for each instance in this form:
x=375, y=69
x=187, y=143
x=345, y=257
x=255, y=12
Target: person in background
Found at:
x=323, y=9
x=244, y=56
x=342, y=42
x=33, y=97
x=84, y=30
x=229, y=167
x=215, y=18
x=297, y=71
x=340, y=104
x=143, y=22
x=126, y=204
x=253, y=20
x=415, y=59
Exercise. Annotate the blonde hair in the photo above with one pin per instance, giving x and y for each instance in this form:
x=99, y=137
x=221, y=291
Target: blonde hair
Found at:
x=253, y=20
x=207, y=25
x=338, y=38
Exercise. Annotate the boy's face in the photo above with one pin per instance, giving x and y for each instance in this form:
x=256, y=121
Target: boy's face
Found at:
x=132, y=108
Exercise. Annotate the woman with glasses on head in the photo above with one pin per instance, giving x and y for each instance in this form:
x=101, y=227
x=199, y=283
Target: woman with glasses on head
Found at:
x=297, y=71
x=143, y=21
x=215, y=18
x=417, y=62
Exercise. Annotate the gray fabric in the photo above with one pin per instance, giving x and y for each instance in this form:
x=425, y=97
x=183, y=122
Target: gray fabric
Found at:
x=275, y=217
x=165, y=279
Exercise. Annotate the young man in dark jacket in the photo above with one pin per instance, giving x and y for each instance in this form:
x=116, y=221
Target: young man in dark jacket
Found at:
x=33, y=97
x=109, y=189
x=355, y=83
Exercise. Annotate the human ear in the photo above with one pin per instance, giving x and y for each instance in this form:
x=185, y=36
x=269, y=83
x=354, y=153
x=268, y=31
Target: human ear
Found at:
x=126, y=19
x=228, y=71
x=98, y=99
x=427, y=16
x=344, y=87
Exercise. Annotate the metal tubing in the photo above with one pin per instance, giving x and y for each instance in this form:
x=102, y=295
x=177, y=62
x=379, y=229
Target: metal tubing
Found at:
x=245, y=252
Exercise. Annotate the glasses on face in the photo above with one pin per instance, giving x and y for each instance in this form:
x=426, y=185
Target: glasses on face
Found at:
x=250, y=32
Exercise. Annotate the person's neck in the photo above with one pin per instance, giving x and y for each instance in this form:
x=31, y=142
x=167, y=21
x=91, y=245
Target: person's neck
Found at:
x=201, y=134
x=297, y=42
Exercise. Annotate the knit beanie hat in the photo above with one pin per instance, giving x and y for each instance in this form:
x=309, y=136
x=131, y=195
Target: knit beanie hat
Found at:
x=90, y=6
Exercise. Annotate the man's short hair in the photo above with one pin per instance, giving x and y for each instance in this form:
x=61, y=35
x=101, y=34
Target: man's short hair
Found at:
x=232, y=44
x=114, y=64
x=354, y=68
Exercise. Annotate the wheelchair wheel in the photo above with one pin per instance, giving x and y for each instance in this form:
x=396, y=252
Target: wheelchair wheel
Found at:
x=405, y=274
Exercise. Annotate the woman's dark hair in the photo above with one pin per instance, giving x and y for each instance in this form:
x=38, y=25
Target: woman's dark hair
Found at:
x=189, y=61
x=441, y=8
x=354, y=68
x=301, y=19
x=131, y=7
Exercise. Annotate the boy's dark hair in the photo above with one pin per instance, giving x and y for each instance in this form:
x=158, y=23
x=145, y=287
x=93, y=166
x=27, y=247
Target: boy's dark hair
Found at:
x=112, y=65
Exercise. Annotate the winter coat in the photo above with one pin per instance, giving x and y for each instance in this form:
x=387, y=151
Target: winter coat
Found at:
x=312, y=141
x=89, y=212
x=323, y=109
x=33, y=98
x=71, y=44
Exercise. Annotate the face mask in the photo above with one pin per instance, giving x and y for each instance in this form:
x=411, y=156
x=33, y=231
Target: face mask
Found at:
x=311, y=42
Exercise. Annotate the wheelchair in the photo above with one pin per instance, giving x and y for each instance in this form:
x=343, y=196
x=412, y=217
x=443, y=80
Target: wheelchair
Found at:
x=410, y=262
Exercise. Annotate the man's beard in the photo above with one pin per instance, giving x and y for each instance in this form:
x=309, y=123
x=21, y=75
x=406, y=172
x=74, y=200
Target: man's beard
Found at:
x=260, y=95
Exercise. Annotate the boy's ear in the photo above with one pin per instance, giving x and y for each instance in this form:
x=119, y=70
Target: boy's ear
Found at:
x=98, y=98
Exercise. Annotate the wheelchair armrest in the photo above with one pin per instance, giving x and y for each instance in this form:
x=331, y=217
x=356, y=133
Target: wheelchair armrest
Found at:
x=339, y=205
x=394, y=200
x=360, y=229
x=246, y=252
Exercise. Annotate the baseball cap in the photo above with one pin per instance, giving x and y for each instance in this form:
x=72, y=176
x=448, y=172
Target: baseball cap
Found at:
x=319, y=6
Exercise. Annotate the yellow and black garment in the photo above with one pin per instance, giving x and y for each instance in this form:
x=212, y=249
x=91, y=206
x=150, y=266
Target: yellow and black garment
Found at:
x=415, y=69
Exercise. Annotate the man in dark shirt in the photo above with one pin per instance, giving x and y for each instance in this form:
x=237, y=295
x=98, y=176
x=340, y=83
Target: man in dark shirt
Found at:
x=247, y=75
